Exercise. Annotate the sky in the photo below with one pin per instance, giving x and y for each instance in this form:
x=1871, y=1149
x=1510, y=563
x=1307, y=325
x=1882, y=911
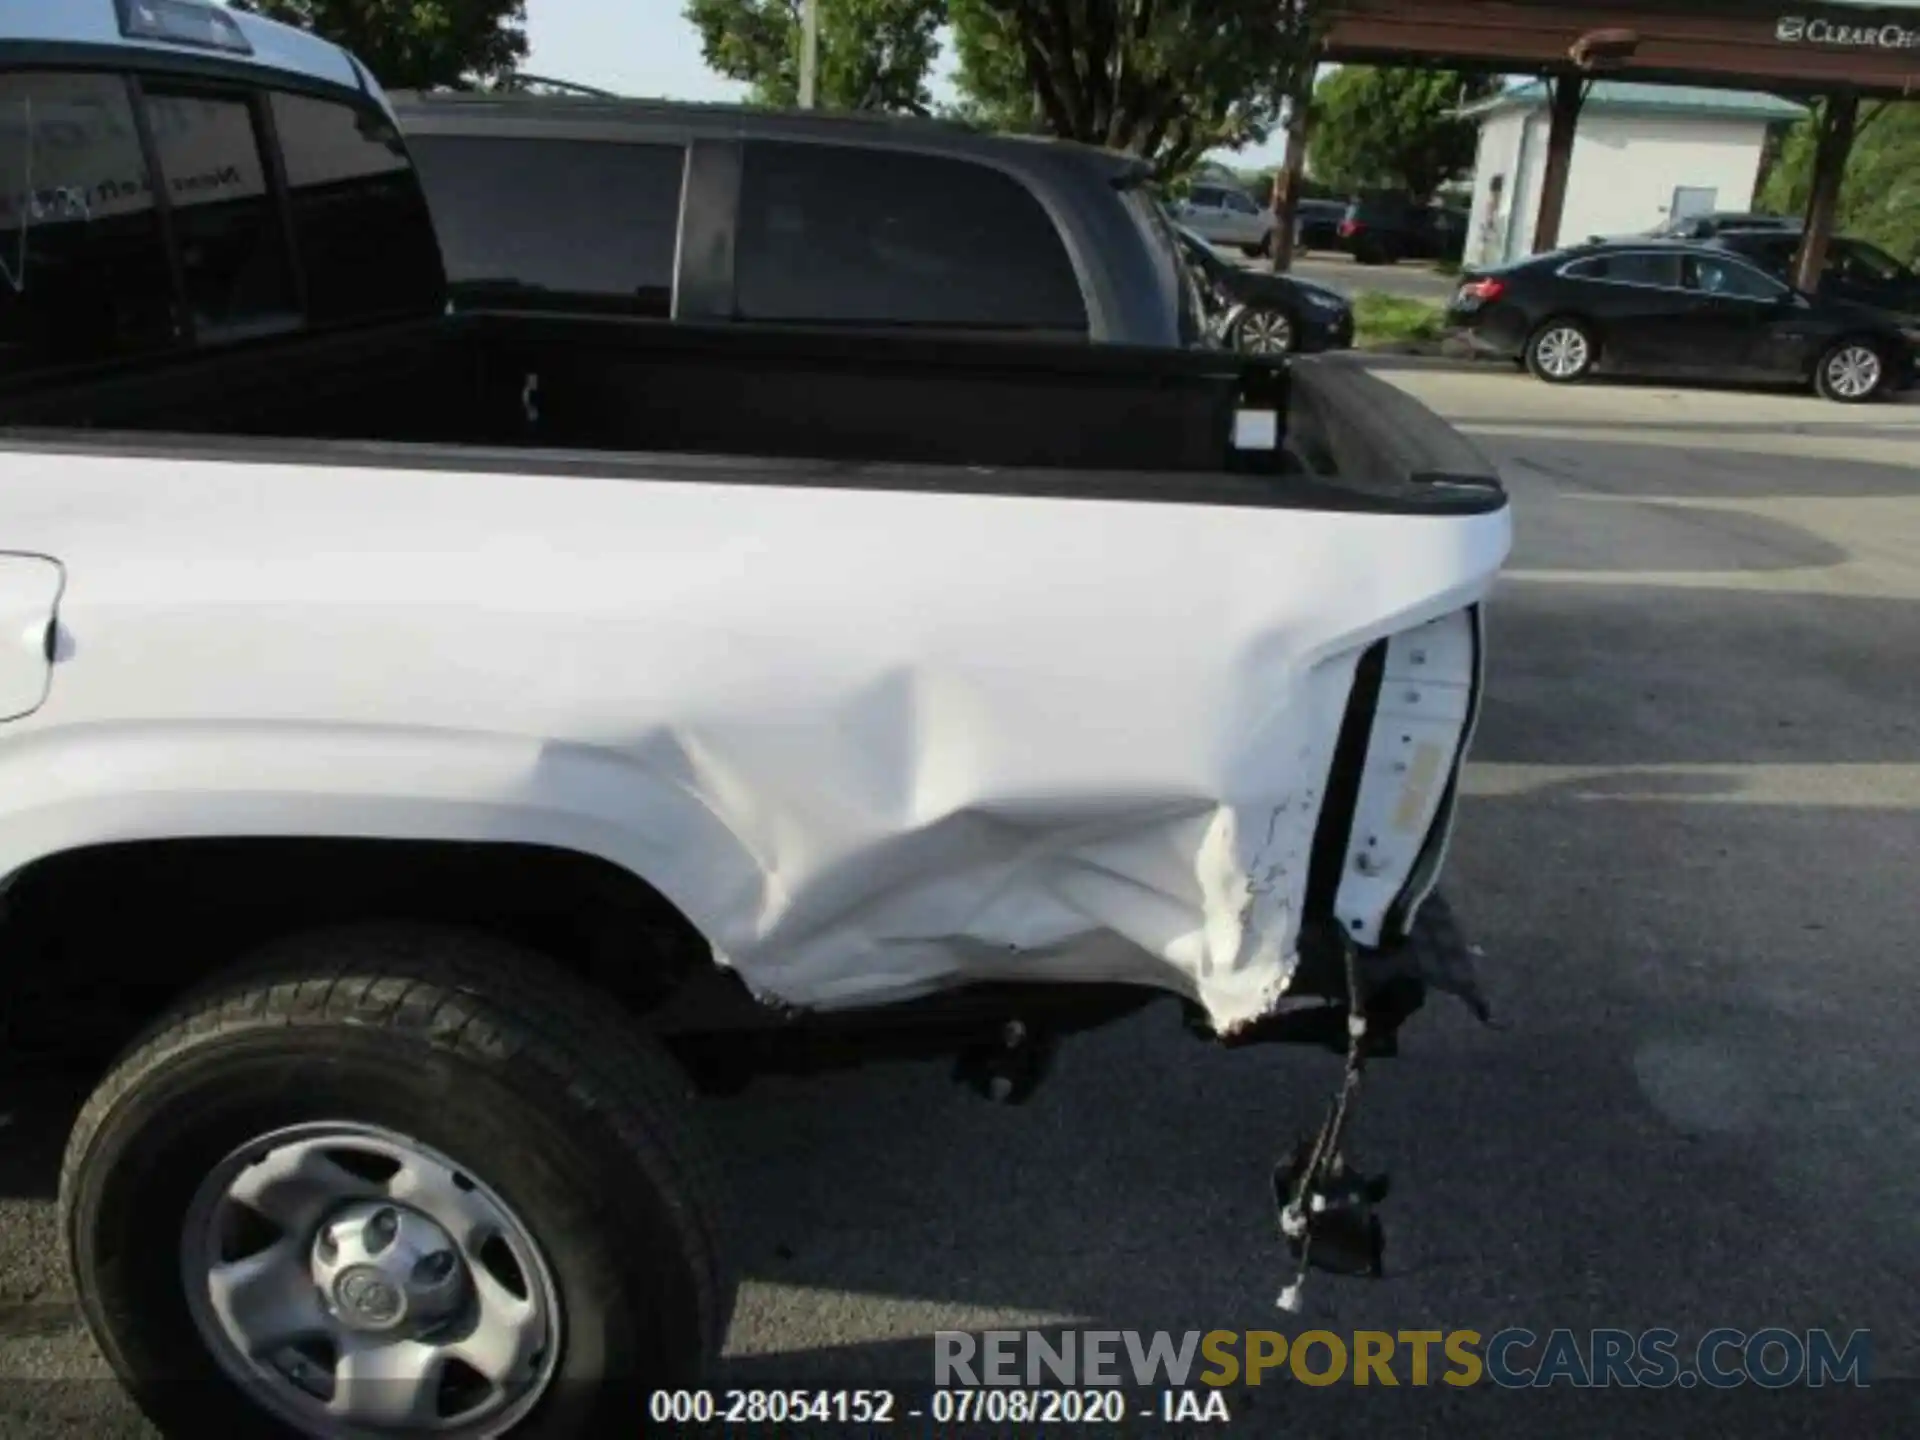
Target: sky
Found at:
x=647, y=48
x=634, y=47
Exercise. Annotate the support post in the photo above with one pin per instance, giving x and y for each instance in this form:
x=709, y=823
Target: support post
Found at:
x=1839, y=123
x=1286, y=200
x=809, y=54
x=1568, y=93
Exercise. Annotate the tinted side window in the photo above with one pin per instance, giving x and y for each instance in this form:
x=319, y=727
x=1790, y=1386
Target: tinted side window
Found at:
x=830, y=233
x=226, y=222
x=1730, y=278
x=360, y=222
x=571, y=217
x=1630, y=269
x=83, y=274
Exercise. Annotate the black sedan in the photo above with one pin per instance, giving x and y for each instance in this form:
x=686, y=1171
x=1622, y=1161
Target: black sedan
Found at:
x=1266, y=314
x=1668, y=309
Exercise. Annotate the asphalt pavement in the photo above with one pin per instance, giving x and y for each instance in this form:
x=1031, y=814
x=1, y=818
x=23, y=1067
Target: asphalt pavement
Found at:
x=1690, y=856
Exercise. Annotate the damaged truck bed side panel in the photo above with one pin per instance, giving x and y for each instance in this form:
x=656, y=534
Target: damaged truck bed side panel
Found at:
x=871, y=742
x=897, y=661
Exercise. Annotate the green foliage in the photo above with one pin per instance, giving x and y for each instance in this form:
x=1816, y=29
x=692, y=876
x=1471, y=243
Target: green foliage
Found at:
x=1382, y=319
x=1393, y=129
x=1165, y=79
x=415, y=44
x=874, y=54
x=995, y=91
x=1880, y=200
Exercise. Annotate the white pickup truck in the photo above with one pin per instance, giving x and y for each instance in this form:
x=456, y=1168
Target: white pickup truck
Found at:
x=419, y=722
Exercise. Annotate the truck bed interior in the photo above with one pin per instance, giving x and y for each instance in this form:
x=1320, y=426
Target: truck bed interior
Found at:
x=617, y=395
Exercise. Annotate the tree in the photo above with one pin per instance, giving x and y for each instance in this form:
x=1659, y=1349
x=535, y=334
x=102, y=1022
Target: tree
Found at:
x=874, y=54
x=1393, y=129
x=415, y=44
x=1880, y=198
x=1165, y=79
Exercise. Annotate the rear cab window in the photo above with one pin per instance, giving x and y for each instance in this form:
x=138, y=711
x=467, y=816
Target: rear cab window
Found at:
x=141, y=213
x=360, y=221
x=235, y=261
x=836, y=235
x=84, y=272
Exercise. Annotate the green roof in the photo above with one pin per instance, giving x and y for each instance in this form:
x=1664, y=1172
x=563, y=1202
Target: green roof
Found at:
x=1651, y=99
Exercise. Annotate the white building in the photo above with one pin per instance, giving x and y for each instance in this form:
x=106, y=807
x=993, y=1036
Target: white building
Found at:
x=1643, y=154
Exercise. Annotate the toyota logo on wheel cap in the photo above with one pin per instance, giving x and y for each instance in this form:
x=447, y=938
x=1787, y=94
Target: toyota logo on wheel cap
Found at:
x=366, y=1298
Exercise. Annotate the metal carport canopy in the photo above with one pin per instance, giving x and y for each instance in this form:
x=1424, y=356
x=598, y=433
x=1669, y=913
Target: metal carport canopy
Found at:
x=1839, y=49
x=1868, y=49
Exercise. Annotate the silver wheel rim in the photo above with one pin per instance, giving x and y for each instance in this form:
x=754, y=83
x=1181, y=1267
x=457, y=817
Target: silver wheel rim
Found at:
x=1266, y=332
x=1854, y=373
x=356, y=1282
x=1563, y=352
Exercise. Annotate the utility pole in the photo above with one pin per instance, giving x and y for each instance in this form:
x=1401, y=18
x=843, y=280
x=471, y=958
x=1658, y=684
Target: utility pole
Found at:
x=1839, y=123
x=1292, y=178
x=809, y=53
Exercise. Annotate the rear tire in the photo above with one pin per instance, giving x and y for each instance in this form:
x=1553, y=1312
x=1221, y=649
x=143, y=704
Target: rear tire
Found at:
x=1852, y=372
x=466, y=1051
x=1563, y=351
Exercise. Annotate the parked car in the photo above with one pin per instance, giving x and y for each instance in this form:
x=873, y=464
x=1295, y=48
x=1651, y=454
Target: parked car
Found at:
x=1705, y=227
x=1385, y=228
x=1667, y=308
x=1317, y=225
x=1266, y=314
x=424, y=724
x=1227, y=215
x=1855, y=270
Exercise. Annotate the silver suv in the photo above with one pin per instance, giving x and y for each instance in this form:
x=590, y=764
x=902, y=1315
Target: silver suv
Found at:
x=1226, y=215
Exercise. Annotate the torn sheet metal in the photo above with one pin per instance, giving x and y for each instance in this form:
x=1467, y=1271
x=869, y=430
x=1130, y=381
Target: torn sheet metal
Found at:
x=872, y=742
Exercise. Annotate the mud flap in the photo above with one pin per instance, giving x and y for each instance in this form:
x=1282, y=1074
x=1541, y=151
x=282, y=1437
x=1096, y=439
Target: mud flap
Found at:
x=1437, y=956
